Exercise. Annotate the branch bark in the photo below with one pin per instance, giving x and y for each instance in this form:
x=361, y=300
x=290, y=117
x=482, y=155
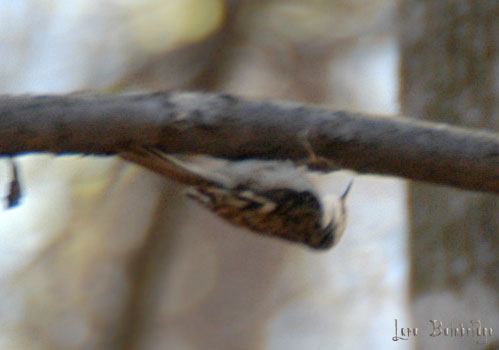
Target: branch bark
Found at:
x=235, y=128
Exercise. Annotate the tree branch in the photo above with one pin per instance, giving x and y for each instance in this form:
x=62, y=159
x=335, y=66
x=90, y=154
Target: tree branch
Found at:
x=235, y=128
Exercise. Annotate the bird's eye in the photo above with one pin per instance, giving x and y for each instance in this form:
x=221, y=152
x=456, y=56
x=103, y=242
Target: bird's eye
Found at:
x=326, y=241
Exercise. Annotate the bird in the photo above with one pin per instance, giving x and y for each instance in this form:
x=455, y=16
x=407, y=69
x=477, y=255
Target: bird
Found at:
x=271, y=198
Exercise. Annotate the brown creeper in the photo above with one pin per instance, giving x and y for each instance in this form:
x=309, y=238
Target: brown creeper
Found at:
x=273, y=198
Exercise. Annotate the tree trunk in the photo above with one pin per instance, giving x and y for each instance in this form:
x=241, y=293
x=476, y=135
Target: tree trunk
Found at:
x=450, y=73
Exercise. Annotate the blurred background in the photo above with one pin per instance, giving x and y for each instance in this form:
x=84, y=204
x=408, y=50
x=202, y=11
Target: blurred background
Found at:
x=102, y=254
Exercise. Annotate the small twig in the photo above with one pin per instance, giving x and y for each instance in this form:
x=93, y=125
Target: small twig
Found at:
x=225, y=126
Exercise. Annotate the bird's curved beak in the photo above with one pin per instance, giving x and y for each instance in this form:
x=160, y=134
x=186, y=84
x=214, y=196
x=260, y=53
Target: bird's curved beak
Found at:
x=345, y=193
